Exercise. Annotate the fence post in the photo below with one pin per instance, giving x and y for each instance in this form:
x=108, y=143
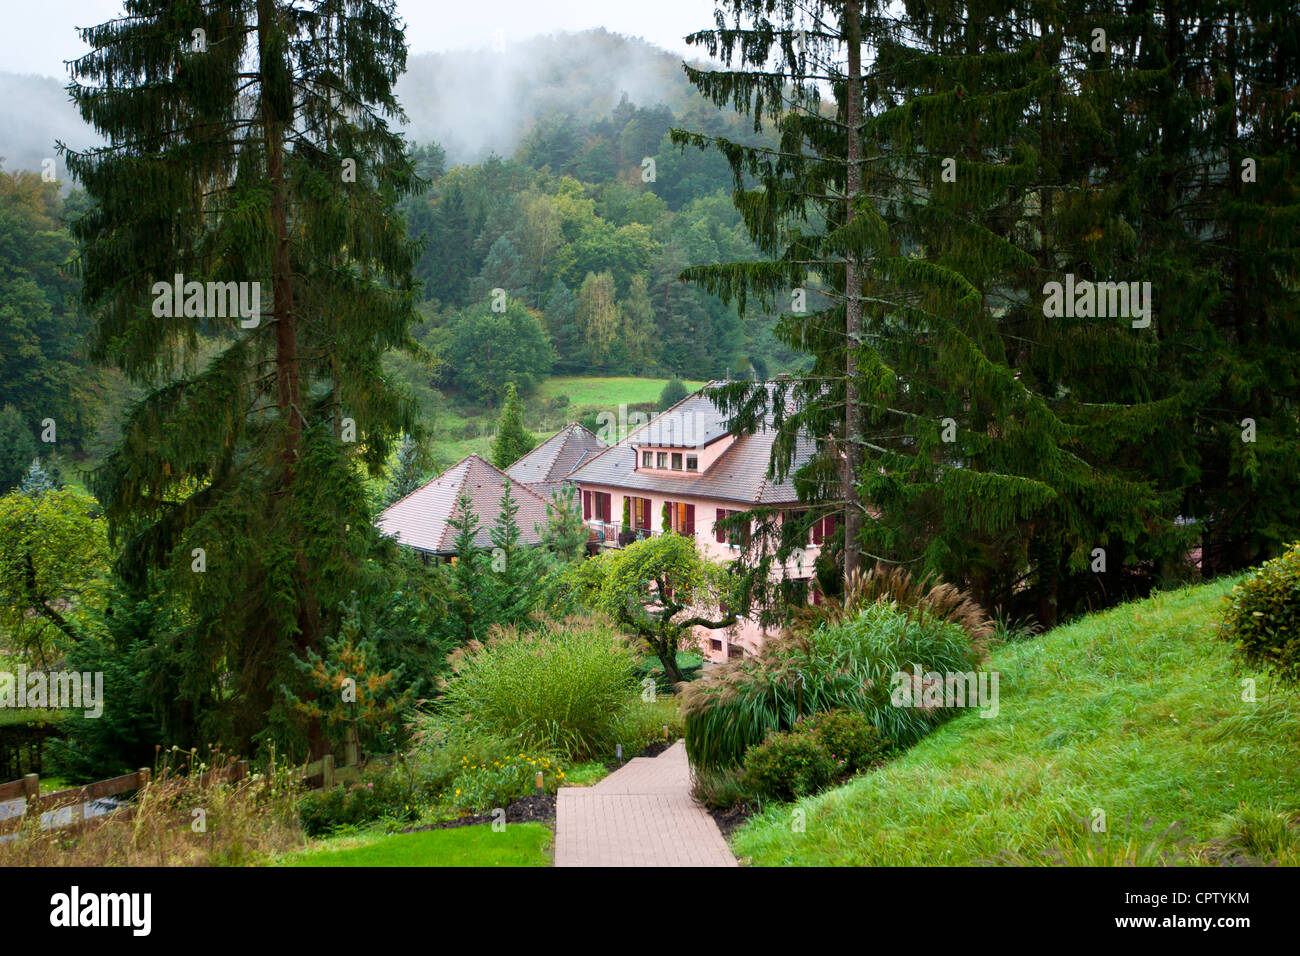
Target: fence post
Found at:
x=327, y=771
x=241, y=769
x=142, y=776
x=32, y=795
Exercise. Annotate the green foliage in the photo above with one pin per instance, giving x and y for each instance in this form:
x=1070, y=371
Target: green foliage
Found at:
x=1132, y=709
x=243, y=445
x=43, y=369
x=407, y=474
x=513, y=441
x=135, y=718
x=847, y=665
x=565, y=534
x=482, y=787
x=673, y=393
x=643, y=723
x=1263, y=616
x=17, y=448
x=655, y=587
x=54, y=556
x=789, y=765
x=351, y=696
x=847, y=736
x=562, y=689
x=377, y=795
x=490, y=351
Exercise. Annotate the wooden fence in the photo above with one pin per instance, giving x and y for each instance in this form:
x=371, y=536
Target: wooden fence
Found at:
x=319, y=775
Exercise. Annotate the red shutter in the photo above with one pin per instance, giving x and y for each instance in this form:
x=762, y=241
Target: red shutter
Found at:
x=606, y=501
x=586, y=506
x=689, y=528
x=718, y=535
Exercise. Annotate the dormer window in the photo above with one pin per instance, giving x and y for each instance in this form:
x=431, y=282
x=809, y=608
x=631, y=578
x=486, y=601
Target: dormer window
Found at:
x=661, y=459
x=646, y=460
x=677, y=461
x=692, y=463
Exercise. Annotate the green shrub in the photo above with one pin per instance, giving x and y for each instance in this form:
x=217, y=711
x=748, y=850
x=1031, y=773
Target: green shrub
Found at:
x=846, y=664
x=789, y=765
x=482, y=787
x=385, y=794
x=642, y=724
x=846, y=736
x=562, y=690
x=722, y=789
x=1263, y=616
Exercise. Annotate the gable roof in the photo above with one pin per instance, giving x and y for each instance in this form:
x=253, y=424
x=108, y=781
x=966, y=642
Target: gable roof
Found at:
x=739, y=473
x=555, y=458
x=422, y=519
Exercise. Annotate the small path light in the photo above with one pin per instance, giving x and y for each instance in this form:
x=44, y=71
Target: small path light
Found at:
x=618, y=753
x=539, y=783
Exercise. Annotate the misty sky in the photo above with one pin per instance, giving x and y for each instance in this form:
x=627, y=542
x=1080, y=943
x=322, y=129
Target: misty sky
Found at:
x=38, y=37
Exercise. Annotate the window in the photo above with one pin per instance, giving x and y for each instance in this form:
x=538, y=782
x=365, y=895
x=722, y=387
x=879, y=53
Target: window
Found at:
x=715, y=644
x=692, y=463
x=646, y=459
x=641, y=514
x=677, y=461
x=735, y=537
x=681, y=518
x=601, y=502
x=822, y=529
x=686, y=520
x=661, y=460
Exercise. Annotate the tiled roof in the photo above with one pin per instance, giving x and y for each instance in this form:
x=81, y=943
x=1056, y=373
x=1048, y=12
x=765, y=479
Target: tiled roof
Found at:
x=739, y=474
x=555, y=458
x=422, y=519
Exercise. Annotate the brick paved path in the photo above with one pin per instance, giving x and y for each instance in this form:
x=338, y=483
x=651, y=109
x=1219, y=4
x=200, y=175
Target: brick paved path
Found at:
x=640, y=815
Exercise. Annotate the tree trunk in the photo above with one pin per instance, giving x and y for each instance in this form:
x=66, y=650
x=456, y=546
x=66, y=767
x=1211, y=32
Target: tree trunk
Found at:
x=668, y=658
x=853, y=298
x=288, y=398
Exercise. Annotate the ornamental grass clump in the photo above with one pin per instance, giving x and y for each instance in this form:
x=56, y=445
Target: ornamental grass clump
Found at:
x=846, y=664
x=563, y=689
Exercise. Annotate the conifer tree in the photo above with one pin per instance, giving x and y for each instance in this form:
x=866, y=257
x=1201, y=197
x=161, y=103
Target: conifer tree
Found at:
x=513, y=441
x=247, y=144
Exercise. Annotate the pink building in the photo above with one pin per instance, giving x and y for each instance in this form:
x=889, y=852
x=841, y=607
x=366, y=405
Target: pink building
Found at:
x=686, y=459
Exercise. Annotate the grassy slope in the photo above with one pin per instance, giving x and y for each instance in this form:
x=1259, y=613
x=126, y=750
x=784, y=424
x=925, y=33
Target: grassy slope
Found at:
x=606, y=393
x=1136, y=711
x=518, y=844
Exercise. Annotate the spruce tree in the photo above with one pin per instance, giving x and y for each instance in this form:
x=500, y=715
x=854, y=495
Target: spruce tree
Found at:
x=513, y=441
x=247, y=143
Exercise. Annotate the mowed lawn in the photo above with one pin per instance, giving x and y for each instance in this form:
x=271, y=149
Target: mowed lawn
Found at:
x=1135, y=713
x=517, y=844
x=606, y=393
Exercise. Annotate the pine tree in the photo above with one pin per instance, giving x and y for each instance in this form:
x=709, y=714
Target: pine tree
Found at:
x=565, y=533
x=470, y=598
x=513, y=441
x=1000, y=445
x=247, y=143
x=562, y=327
x=407, y=474
x=17, y=448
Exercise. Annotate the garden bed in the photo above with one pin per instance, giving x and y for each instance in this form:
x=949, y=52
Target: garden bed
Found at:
x=533, y=808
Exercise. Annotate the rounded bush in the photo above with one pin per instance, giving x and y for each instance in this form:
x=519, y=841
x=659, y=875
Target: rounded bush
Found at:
x=847, y=736
x=788, y=765
x=1263, y=618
